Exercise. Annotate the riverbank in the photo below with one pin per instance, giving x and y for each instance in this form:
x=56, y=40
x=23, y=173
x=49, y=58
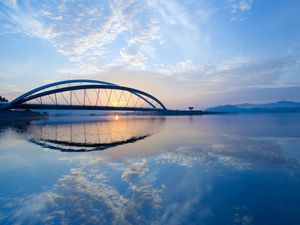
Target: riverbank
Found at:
x=22, y=115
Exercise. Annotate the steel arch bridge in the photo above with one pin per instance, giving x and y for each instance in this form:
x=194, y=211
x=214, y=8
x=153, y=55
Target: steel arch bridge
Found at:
x=85, y=95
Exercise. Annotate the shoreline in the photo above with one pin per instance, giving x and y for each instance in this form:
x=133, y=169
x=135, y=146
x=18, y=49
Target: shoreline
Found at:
x=28, y=115
x=22, y=115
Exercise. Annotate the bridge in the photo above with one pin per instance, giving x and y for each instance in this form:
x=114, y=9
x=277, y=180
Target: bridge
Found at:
x=85, y=95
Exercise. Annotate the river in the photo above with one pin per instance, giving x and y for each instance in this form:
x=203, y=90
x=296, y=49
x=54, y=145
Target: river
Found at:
x=213, y=169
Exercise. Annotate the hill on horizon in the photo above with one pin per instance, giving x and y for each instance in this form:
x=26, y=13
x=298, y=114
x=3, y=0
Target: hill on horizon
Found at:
x=274, y=107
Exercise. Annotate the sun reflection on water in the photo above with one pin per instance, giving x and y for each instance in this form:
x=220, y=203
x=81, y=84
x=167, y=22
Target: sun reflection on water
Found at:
x=91, y=136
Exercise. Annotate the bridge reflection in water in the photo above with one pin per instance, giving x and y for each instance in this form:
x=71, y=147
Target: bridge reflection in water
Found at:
x=92, y=136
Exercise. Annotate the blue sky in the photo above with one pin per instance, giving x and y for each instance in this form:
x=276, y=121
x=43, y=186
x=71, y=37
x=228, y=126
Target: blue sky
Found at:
x=172, y=49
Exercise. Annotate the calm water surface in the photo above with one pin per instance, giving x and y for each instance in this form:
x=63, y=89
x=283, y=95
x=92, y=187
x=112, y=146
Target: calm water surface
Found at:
x=229, y=169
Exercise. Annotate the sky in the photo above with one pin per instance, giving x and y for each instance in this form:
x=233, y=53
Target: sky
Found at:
x=193, y=52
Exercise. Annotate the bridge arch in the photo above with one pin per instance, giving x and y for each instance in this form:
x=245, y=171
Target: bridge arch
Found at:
x=84, y=94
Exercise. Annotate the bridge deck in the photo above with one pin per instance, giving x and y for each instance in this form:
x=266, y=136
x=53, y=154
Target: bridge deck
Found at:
x=81, y=107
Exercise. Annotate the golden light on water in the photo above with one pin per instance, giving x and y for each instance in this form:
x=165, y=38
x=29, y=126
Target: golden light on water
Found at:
x=89, y=136
x=116, y=117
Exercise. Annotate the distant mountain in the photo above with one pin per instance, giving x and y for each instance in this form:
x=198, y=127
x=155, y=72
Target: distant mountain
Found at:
x=257, y=94
x=280, y=104
x=276, y=107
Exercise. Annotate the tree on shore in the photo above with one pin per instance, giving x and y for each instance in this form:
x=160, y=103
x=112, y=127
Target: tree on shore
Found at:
x=3, y=99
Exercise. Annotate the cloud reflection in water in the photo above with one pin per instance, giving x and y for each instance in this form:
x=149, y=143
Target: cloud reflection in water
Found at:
x=187, y=180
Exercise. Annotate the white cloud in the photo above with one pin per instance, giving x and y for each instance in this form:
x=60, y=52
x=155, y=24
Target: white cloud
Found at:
x=85, y=32
x=239, y=8
x=183, y=67
x=93, y=34
x=133, y=59
x=240, y=5
x=139, y=47
x=160, y=37
x=233, y=73
x=245, y=5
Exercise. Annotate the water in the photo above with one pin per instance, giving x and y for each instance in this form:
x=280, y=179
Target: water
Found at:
x=226, y=169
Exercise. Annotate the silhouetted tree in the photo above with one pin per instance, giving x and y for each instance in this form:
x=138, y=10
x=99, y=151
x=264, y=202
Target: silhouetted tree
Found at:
x=3, y=99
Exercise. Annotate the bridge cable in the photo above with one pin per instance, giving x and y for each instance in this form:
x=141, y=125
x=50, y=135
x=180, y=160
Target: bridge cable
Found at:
x=109, y=98
x=88, y=98
x=64, y=97
x=76, y=98
x=51, y=99
x=97, y=92
x=119, y=98
x=129, y=99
